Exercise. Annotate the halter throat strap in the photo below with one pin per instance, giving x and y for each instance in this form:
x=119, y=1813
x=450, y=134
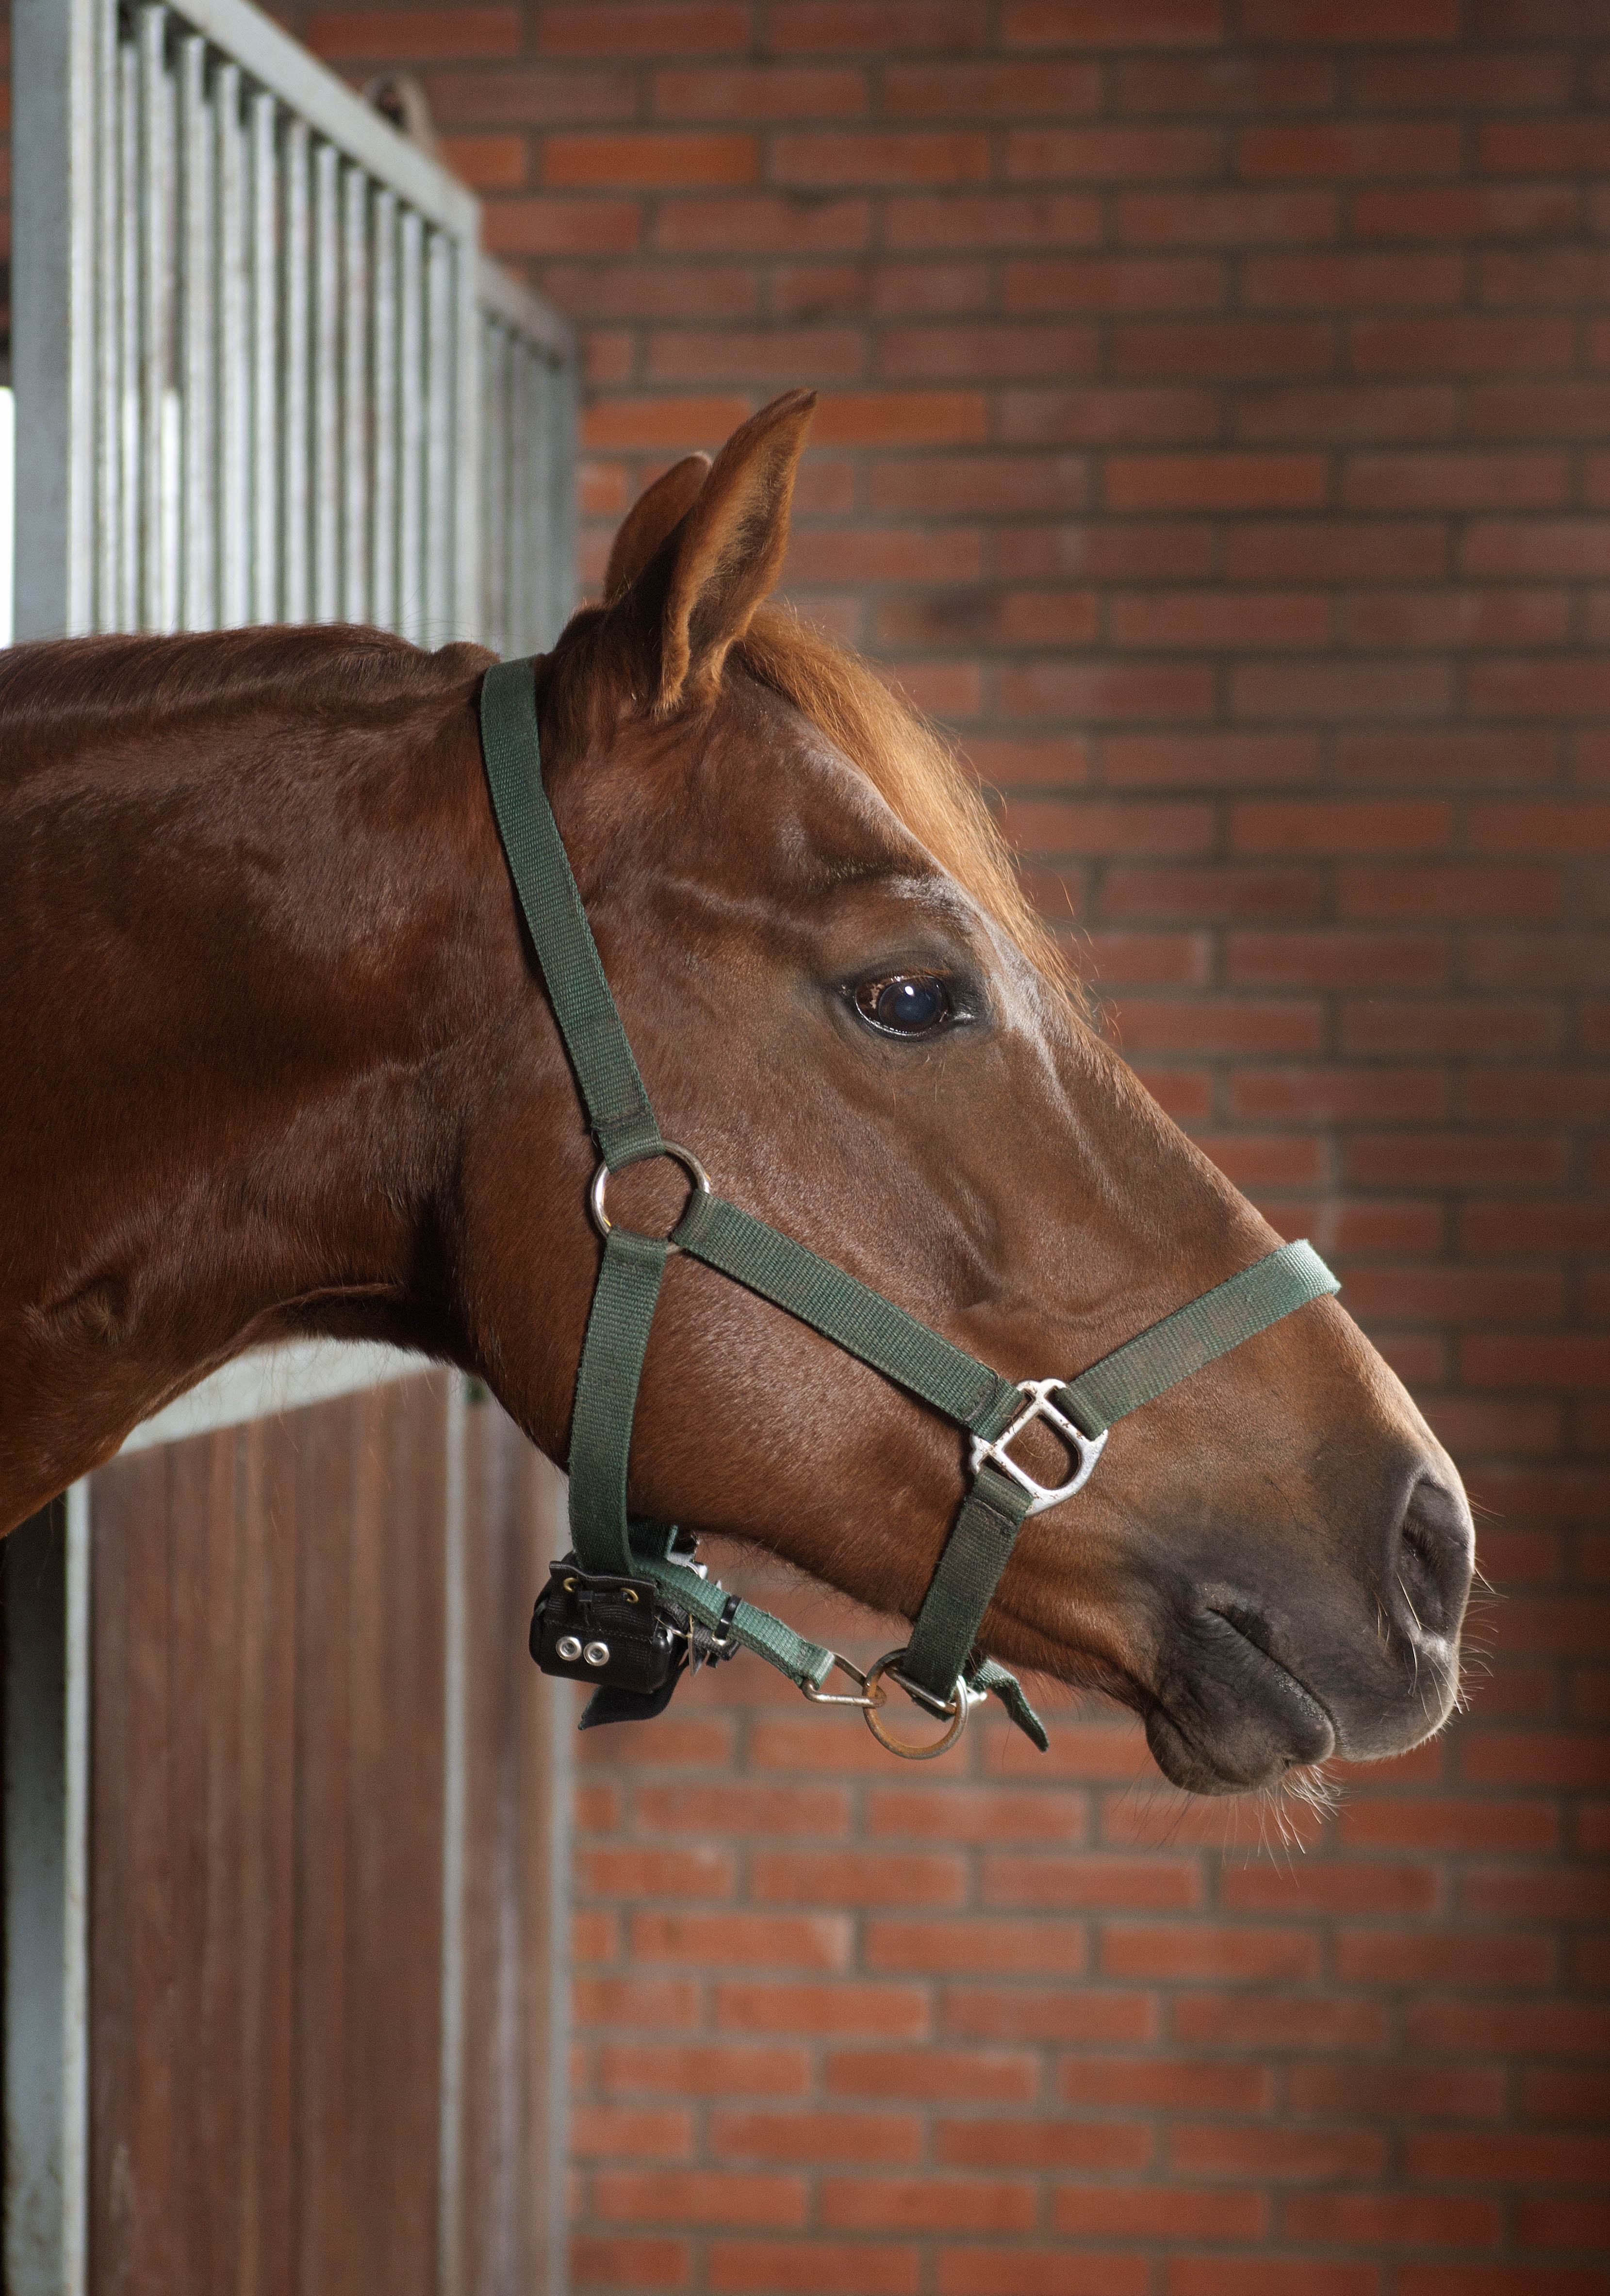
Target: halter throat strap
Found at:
x=942, y=1664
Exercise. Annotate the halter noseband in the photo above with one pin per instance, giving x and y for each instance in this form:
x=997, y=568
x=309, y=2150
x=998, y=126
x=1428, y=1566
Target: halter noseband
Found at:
x=629, y=1607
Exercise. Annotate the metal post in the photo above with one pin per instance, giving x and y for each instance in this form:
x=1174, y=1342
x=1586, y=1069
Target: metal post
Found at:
x=47, y=1655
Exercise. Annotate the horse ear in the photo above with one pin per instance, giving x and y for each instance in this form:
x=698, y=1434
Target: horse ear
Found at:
x=652, y=517
x=721, y=558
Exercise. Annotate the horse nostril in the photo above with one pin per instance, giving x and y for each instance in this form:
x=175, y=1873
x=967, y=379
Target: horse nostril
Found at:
x=1433, y=1559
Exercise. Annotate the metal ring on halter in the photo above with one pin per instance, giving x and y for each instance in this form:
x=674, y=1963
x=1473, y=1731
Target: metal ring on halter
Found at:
x=1086, y=1450
x=959, y=1706
x=685, y=1157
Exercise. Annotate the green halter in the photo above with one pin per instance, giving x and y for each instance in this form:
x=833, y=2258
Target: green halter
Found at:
x=632, y=1562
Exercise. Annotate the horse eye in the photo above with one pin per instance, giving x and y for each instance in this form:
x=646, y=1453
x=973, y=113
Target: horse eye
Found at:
x=912, y=1004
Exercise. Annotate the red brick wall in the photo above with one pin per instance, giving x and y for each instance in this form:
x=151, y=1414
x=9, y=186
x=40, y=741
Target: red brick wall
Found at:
x=1216, y=431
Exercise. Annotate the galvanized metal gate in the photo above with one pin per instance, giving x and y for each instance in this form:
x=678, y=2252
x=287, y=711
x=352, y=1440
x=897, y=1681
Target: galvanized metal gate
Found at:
x=263, y=373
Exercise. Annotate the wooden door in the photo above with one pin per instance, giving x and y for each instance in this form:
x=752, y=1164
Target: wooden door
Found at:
x=320, y=1953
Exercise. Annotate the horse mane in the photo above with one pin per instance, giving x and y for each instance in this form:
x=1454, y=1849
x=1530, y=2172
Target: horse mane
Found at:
x=331, y=665
x=337, y=665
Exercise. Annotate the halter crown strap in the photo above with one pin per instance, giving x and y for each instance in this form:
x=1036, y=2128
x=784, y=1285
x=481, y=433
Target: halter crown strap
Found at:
x=942, y=1655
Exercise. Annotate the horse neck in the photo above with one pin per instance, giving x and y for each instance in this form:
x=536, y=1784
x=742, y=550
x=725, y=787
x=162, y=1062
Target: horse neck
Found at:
x=251, y=1025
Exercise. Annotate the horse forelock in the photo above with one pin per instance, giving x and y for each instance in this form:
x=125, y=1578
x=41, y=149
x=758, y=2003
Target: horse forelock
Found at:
x=906, y=759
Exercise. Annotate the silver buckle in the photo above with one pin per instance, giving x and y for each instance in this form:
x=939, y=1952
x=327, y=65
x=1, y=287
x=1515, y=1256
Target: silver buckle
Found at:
x=1086, y=1448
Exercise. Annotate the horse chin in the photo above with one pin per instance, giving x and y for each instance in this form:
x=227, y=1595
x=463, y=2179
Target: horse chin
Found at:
x=1226, y=1717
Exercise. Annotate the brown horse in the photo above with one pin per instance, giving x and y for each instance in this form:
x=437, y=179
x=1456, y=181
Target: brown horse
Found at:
x=275, y=1061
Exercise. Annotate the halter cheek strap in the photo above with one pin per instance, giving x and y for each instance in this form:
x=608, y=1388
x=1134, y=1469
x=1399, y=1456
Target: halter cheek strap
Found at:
x=940, y=1668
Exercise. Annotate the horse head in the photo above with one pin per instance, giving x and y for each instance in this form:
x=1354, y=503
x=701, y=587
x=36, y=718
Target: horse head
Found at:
x=841, y=1001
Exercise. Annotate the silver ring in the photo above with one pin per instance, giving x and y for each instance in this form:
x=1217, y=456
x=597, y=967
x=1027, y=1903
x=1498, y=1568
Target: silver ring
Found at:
x=685, y=1157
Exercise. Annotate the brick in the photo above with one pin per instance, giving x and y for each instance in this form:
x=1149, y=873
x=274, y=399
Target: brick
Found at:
x=1316, y=550
x=1225, y=218
x=752, y=93
x=1561, y=2028
x=407, y=36
x=650, y=159
x=1088, y=1880
x=527, y=226
x=813, y=1940
x=1081, y=2146
x=1373, y=148
x=1572, y=829
x=1338, y=1096
x=1216, y=893
x=1568, y=2093
x=625, y=2262
x=1165, y=2084
x=1449, y=1025
x=661, y=423
x=1387, y=2089
x=660, y=1872
x=1538, y=410
x=1206, y=760
x=1187, y=1952
x=736, y=1807
x=937, y=2075
x=1108, y=23
x=1568, y=1359
x=1106, y=417
x=1227, y=83
x=868, y=2139
x=1329, y=283
x=1557, y=147
x=1053, y=285
x=802, y=2267
x=1459, y=211
x=702, y=2069
x=1341, y=690
x=1455, y=890
x=1369, y=414
x=1351, y=21
x=1280, y=2153
x=940, y=2205
x=1096, y=825
x=856, y=1877
x=1513, y=77
x=868, y=2012
x=1221, y=349
x=1340, y=825
x=1497, y=2280
x=713, y=2196
x=762, y=223
x=1539, y=1757
x=1563, y=2223
x=1422, y=1957
x=1510, y=2157
x=1333, y=1886
x=986, y=88
x=945, y=484
x=1572, y=548
x=988, y=1814
x=511, y=93
x=661, y=2002
x=1250, y=2276
x=834, y=26
x=1082, y=2017
x=609, y=2132
x=946, y=221
x=824, y=159
x=1336, y=960
x=1463, y=756
x=1038, y=2272
x=660, y=27
x=1218, y=481
x=1484, y=618
x=1158, y=2212
x=991, y=351
x=1101, y=692
x=903, y=417
x=1394, y=2219
x=767, y=354
x=1445, y=1823
x=1297, y=2020
x=1105, y=154
x=1456, y=481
